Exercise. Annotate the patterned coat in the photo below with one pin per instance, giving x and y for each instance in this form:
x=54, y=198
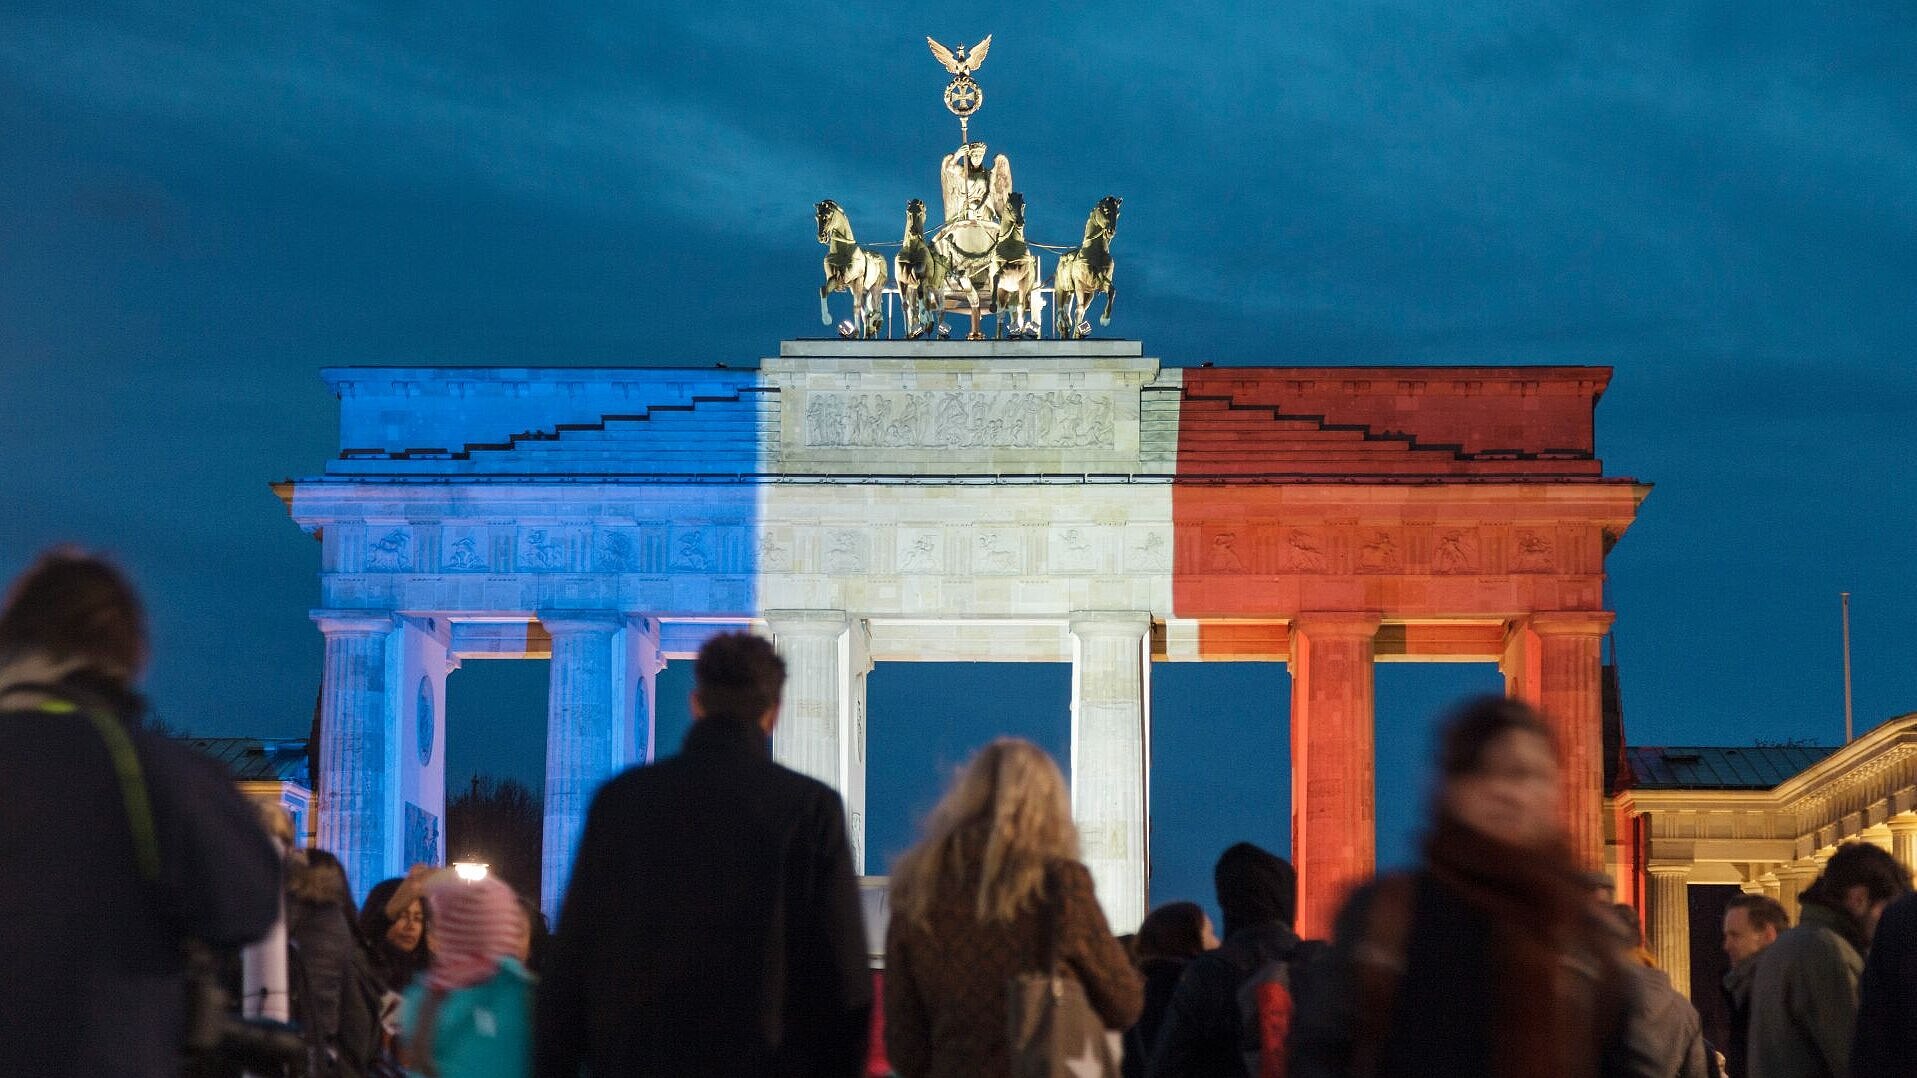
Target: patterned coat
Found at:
x=946, y=982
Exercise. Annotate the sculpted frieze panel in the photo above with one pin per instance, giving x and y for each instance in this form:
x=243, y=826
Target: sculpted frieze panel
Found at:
x=1532, y=552
x=997, y=552
x=464, y=551
x=392, y=551
x=1059, y=419
x=921, y=550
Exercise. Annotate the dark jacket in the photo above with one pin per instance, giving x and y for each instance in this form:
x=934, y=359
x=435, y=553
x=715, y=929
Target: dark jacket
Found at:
x=1200, y=1036
x=1886, y=1044
x=711, y=926
x=947, y=980
x=336, y=991
x=1445, y=1003
x=1804, y=998
x=92, y=980
x=1666, y=1036
x=1737, y=998
x=1161, y=980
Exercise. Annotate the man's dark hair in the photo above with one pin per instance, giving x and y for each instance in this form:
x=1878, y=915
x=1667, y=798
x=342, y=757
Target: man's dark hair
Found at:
x=1255, y=887
x=1477, y=723
x=1762, y=911
x=73, y=606
x=1859, y=864
x=738, y=676
x=1174, y=930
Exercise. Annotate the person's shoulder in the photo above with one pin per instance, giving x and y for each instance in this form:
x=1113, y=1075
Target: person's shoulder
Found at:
x=169, y=761
x=802, y=789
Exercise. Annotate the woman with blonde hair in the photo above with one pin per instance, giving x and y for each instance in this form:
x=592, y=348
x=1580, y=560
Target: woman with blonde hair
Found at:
x=992, y=889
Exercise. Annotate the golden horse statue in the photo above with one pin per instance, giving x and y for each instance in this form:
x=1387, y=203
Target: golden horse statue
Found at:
x=922, y=274
x=1015, y=273
x=850, y=268
x=1085, y=271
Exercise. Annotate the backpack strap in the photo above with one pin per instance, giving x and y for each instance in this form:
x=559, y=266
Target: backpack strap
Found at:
x=134, y=794
x=1379, y=957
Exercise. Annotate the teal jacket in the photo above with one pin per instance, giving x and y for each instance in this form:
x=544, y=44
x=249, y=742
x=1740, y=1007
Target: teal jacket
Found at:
x=1804, y=1000
x=484, y=1031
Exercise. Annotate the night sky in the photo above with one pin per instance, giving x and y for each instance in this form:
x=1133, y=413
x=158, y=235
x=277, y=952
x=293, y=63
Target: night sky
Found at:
x=198, y=211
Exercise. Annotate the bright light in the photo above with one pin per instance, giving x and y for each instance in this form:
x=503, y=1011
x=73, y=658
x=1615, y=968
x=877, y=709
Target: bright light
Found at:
x=470, y=871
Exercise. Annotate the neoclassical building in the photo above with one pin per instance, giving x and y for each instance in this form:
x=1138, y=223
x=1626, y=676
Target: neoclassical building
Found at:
x=1763, y=819
x=874, y=501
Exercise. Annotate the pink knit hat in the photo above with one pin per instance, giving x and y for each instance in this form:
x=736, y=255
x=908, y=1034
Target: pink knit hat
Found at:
x=475, y=924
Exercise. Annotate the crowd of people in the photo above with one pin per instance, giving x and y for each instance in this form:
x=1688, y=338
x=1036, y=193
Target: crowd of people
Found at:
x=712, y=925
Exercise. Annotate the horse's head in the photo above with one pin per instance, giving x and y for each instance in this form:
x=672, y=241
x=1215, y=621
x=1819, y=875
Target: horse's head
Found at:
x=827, y=210
x=1015, y=208
x=1108, y=209
x=915, y=215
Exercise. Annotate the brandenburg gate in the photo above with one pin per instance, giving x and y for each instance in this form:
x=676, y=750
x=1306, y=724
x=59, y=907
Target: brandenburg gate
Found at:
x=1018, y=501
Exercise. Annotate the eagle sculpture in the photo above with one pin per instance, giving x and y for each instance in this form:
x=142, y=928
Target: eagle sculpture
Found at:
x=961, y=62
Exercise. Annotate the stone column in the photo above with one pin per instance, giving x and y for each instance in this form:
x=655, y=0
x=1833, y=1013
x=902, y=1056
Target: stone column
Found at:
x=1671, y=921
x=583, y=742
x=1110, y=764
x=821, y=729
x=358, y=756
x=1333, y=783
x=1554, y=661
x=1791, y=881
x=1903, y=840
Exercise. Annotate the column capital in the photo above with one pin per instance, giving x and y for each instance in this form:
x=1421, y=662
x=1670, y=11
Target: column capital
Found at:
x=1328, y=624
x=1670, y=869
x=807, y=622
x=354, y=622
x=1570, y=622
x=1902, y=825
x=1129, y=623
x=564, y=622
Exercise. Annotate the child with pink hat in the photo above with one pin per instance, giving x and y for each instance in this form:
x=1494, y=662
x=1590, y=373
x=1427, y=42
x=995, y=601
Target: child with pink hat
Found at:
x=471, y=1015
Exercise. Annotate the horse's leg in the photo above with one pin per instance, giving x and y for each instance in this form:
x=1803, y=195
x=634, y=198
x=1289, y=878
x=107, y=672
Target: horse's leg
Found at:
x=825, y=312
x=1111, y=297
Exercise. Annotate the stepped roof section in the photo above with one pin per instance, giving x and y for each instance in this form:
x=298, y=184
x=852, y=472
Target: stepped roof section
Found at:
x=1024, y=406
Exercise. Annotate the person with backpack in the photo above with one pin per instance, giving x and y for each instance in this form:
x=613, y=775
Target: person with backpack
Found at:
x=118, y=846
x=1490, y=958
x=1230, y=1002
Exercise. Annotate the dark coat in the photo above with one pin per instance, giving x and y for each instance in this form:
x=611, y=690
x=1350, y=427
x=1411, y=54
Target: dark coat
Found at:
x=336, y=991
x=1161, y=980
x=92, y=981
x=1886, y=1044
x=712, y=925
x=1200, y=1036
x=1737, y=998
x=1804, y=998
x=1445, y=1001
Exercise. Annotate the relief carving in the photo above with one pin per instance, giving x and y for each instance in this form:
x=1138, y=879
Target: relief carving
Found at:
x=692, y=552
x=544, y=550
x=463, y=555
x=1224, y=554
x=1456, y=553
x=1153, y=555
x=921, y=556
x=1305, y=555
x=393, y=551
x=1534, y=554
x=1380, y=555
x=977, y=420
x=773, y=555
x=845, y=553
x=616, y=552
x=994, y=555
x=1075, y=550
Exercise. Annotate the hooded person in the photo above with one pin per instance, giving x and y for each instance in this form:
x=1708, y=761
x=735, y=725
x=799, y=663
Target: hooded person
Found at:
x=1202, y=1031
x=470, y=1016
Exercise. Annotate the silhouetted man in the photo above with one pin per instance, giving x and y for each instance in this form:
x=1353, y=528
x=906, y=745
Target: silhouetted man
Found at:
x=1886, y=1044
x=1804, y=996
x=1751, y=923
x=712, y=923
